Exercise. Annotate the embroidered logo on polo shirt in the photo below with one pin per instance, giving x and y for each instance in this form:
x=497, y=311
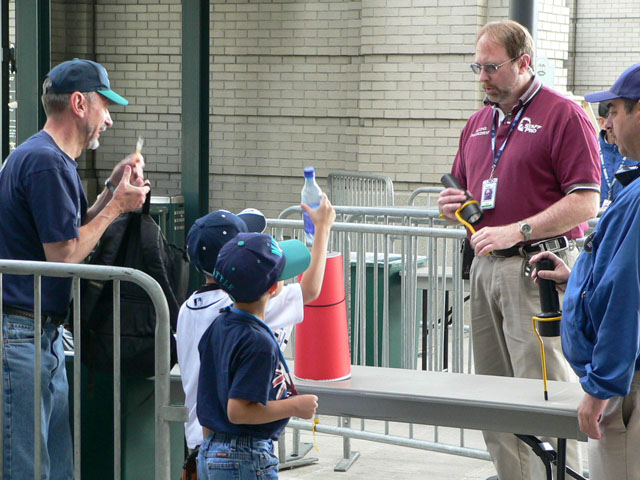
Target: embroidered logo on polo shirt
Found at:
x=480, y=131
x=527, y=127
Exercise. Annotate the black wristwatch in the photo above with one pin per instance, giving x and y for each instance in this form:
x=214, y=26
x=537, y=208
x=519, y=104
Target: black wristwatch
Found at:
x=110, y=186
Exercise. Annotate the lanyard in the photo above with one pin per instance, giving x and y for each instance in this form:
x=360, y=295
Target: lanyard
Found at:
x=605, y=173
x=498, y=154
x=266, y=327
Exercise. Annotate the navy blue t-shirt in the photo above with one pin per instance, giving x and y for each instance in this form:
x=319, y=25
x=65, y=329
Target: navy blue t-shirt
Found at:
x=239, y=359
x=41, y=201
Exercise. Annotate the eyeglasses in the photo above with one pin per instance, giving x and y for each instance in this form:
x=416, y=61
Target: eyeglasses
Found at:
x=490, y=68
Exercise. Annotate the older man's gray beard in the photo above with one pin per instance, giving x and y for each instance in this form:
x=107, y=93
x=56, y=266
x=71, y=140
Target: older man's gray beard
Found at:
x=94, y=143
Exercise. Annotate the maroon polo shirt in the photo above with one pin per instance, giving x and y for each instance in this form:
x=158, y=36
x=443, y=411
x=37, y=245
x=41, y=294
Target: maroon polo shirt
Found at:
x=552, y=151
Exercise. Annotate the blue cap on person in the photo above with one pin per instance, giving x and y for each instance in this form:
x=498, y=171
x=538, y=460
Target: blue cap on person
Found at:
x=252, y=263
x=627, y=86
x=82, y=76
x=209, y=233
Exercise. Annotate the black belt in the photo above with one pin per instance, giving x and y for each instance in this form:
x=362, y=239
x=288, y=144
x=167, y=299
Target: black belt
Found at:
x=530, y=249
x=19, y=312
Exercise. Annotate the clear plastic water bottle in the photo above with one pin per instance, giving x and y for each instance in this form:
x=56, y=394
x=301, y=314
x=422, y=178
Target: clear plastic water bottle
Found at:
x=312, y=196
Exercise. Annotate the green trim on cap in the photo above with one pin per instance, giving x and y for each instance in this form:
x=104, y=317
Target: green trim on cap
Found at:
x=113, y=96
x=297, y=257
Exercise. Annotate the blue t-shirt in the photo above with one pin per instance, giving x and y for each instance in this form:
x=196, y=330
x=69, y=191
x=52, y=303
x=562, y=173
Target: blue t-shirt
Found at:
x=41, y=201
x=239, y=358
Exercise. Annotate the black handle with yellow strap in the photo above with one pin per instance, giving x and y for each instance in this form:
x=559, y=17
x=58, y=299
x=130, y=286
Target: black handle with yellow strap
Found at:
x=547, y=323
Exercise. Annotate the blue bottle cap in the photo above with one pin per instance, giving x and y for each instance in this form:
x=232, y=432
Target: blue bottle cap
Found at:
x=309, y=172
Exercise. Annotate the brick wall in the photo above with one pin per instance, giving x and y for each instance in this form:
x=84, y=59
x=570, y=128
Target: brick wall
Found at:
x=378, y=86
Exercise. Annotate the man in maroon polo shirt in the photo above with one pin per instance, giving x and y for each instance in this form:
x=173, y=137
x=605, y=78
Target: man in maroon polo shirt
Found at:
x=537, y=153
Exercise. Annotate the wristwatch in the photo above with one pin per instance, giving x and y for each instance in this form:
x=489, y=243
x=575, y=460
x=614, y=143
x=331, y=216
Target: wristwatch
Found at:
x=110, y=186
x=525, y=230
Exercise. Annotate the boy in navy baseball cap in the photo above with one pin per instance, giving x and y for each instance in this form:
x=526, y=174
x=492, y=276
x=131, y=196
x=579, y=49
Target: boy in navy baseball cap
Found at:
x=244, y=388
x=209, y=233
x=283, y=311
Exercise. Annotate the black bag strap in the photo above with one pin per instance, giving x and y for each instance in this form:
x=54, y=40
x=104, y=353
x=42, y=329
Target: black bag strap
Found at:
x=147, y=204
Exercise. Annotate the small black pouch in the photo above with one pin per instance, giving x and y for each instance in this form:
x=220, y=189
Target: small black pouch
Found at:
x=467, y=258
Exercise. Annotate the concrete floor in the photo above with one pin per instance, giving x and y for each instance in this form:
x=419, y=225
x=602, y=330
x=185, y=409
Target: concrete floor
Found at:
x=381, y=461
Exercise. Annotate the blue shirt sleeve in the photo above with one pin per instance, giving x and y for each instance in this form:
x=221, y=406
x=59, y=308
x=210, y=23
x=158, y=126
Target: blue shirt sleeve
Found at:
x=252, y=377
x=612, y=303
x=55, y=200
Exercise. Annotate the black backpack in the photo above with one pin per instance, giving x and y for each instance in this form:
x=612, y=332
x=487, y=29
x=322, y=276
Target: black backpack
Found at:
x=134, y=240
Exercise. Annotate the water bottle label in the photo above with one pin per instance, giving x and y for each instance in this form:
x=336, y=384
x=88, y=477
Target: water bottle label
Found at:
x=309, y=227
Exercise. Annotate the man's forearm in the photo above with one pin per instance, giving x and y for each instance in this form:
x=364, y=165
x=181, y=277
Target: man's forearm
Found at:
x=77, y=249
x=98, y=205
x=566, y=213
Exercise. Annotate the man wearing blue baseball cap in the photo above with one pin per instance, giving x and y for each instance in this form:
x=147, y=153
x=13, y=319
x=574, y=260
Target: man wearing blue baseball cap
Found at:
x=601, y=311
x=44, y=216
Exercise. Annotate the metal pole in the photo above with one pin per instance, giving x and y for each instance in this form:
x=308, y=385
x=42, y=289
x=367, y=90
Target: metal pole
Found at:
x=33, y=58
x=524, y=12
x=4, y=79
x=195, y=113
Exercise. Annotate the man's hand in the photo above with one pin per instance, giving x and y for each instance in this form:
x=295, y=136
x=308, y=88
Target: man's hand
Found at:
x=305, y=406
x=488, y=239
x=133, y=161
x=323, y=216
x=559, y=274
x=128, y=197
x=450, y=200
x=589, y=415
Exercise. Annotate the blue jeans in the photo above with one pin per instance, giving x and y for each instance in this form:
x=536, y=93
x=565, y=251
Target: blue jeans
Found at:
x=18, y=375
x=229, y=457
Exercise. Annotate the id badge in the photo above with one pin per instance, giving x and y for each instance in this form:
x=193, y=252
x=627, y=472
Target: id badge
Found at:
x=489, y=190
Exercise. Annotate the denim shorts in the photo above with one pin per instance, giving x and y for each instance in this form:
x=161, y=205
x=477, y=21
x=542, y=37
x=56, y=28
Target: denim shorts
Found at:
x=230, y=457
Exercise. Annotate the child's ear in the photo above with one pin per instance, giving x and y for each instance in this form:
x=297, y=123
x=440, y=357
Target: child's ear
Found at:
x=273, y=288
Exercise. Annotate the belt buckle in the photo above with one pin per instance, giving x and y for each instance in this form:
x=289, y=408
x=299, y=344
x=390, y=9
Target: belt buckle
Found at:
x=553, y=245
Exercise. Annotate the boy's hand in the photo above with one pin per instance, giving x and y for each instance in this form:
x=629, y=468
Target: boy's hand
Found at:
x=324, y=215
x=305, y=406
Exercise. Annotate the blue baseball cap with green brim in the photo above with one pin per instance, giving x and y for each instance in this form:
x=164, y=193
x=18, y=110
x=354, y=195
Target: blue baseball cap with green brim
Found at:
x=251, y=263
x=82, y=76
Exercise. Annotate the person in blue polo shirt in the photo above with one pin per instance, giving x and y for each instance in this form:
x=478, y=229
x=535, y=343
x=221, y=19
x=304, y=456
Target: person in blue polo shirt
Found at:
x=44, y=216
x=600, y=327
x=245, y=392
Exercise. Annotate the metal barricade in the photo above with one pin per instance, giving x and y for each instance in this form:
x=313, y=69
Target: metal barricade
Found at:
x=357, y=188
x=376, y=233
x=430, y=263
x=432, y=196
x=164, y=412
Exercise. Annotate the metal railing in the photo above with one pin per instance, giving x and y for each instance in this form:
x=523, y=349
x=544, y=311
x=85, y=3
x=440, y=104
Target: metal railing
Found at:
x=429, y=252
x=427, y=260
x=358, y=188
x=164, y=412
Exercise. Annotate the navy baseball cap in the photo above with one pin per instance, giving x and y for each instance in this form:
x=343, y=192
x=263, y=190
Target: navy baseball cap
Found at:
x=83, y=76
x=252, y=263
x=627, y=86
x=209, y=233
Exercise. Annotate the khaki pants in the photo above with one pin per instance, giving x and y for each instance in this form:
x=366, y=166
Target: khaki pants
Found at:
x=503, y=301
x=616, y=456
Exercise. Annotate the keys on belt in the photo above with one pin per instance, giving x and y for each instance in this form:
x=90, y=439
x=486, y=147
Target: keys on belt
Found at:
x=555, y=244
